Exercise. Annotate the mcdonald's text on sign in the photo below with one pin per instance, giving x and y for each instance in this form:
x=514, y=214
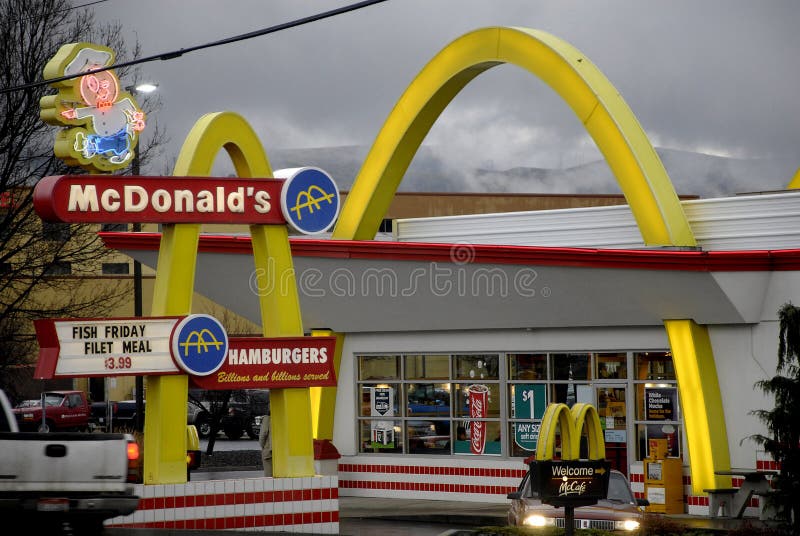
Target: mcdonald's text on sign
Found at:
x=105, y=347
x=132, y=199
x=261, y=363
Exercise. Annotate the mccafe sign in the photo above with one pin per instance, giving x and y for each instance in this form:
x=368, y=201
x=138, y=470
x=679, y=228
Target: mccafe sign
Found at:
x=570, y=482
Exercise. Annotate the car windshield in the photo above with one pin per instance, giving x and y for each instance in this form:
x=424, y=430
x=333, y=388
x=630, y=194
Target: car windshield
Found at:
x=52, y=399
x=618, y=489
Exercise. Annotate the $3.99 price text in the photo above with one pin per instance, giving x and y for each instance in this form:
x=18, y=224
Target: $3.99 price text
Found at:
x=116, y=363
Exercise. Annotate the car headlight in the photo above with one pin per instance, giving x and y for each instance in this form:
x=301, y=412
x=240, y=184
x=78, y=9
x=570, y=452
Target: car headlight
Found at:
x=628, y=525
x=538, y=520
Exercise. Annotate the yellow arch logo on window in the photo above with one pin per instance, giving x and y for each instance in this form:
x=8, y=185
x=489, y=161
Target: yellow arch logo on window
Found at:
x=570, y=422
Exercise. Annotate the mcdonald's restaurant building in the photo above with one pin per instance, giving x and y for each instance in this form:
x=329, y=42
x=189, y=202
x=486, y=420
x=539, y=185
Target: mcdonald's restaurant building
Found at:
x=458, y=331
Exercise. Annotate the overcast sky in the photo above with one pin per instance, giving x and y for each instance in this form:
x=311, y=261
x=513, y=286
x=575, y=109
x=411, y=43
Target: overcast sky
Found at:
x=719, y=77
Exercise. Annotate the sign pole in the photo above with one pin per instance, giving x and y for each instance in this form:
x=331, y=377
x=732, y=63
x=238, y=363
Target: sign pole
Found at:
x=569, y=520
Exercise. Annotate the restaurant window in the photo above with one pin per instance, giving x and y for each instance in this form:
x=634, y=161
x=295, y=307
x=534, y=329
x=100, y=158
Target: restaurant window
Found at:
x=611, y=366
x=379, y=367
x=571, y=373
x=433, y=367
x=658, y=412
x=527, y=366
x=380, y=429
x=526, y=401
x=430, y=404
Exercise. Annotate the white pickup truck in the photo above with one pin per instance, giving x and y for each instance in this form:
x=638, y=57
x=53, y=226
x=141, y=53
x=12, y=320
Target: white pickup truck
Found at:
x=47, y=479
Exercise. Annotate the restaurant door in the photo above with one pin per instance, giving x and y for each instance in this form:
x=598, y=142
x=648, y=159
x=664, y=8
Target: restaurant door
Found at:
x=612, y=407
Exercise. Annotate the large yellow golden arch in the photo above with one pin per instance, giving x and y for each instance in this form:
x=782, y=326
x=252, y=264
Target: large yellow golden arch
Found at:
x=571, y=423
x=630, y=155
x=595, y=101
x=293, y=453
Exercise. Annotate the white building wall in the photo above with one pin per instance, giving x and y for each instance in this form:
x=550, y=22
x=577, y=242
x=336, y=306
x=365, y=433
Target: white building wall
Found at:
x=743, y=355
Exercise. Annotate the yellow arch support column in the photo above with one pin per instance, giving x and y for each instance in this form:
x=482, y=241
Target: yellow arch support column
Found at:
x=174, y=287
x=701, y=403
x=290, y=409
x=165, y=458
x=595, y=101
x=323, y=399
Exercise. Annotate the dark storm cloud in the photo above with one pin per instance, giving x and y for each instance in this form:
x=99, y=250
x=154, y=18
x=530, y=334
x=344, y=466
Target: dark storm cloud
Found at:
x=716, y=77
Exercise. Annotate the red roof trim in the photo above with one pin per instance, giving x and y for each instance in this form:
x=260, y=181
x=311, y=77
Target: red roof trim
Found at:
x=631, y=259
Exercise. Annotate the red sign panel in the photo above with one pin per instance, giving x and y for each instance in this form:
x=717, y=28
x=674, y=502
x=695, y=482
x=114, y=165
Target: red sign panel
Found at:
x=130, y=199
x=274, y=363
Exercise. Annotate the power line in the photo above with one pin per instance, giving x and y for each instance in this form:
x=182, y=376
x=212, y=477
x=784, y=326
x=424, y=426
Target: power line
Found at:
x=166, y=56
x=65, y=9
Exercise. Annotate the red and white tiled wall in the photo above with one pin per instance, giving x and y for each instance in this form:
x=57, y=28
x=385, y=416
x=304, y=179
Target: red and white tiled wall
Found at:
x=303, y=505
x=445, y=479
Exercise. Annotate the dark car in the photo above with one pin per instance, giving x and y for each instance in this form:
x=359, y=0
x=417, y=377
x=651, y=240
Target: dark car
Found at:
x=123, y=415
x=245, y=409
x=618, y=512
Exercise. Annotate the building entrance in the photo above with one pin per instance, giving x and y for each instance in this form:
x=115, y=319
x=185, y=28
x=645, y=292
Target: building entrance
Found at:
x=612, y=408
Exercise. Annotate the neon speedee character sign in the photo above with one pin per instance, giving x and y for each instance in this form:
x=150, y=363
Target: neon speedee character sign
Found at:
x=101, y=122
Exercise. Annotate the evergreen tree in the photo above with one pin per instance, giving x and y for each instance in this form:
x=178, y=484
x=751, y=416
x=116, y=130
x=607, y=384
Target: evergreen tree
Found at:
x=783, y=421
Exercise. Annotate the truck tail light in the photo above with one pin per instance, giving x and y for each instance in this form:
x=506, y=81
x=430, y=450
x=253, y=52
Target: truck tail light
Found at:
x=133, y=451
x=134, y=462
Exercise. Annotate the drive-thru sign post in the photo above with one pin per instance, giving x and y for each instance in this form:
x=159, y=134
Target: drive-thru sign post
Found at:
x=571, y=481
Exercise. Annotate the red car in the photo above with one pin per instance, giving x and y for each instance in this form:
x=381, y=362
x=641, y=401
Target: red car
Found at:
x=618, y=512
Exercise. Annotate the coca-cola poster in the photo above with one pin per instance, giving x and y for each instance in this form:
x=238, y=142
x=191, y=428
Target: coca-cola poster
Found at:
x=477, y=434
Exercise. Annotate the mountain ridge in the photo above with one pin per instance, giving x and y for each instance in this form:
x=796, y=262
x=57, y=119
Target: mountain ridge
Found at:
x=692, y=173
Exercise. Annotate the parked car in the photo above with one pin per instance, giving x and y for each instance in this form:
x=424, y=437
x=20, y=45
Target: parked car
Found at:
x=618, y=512
x=63, y=411
x=245, y=409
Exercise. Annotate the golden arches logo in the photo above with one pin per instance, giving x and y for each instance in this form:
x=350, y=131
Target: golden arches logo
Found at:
x=197, y=340
x=571, y=424
x=311, y=202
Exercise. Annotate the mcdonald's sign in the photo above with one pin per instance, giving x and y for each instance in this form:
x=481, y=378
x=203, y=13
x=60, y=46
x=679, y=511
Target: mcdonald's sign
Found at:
x=570, y=423
x=309, y=199
x=571, y=481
